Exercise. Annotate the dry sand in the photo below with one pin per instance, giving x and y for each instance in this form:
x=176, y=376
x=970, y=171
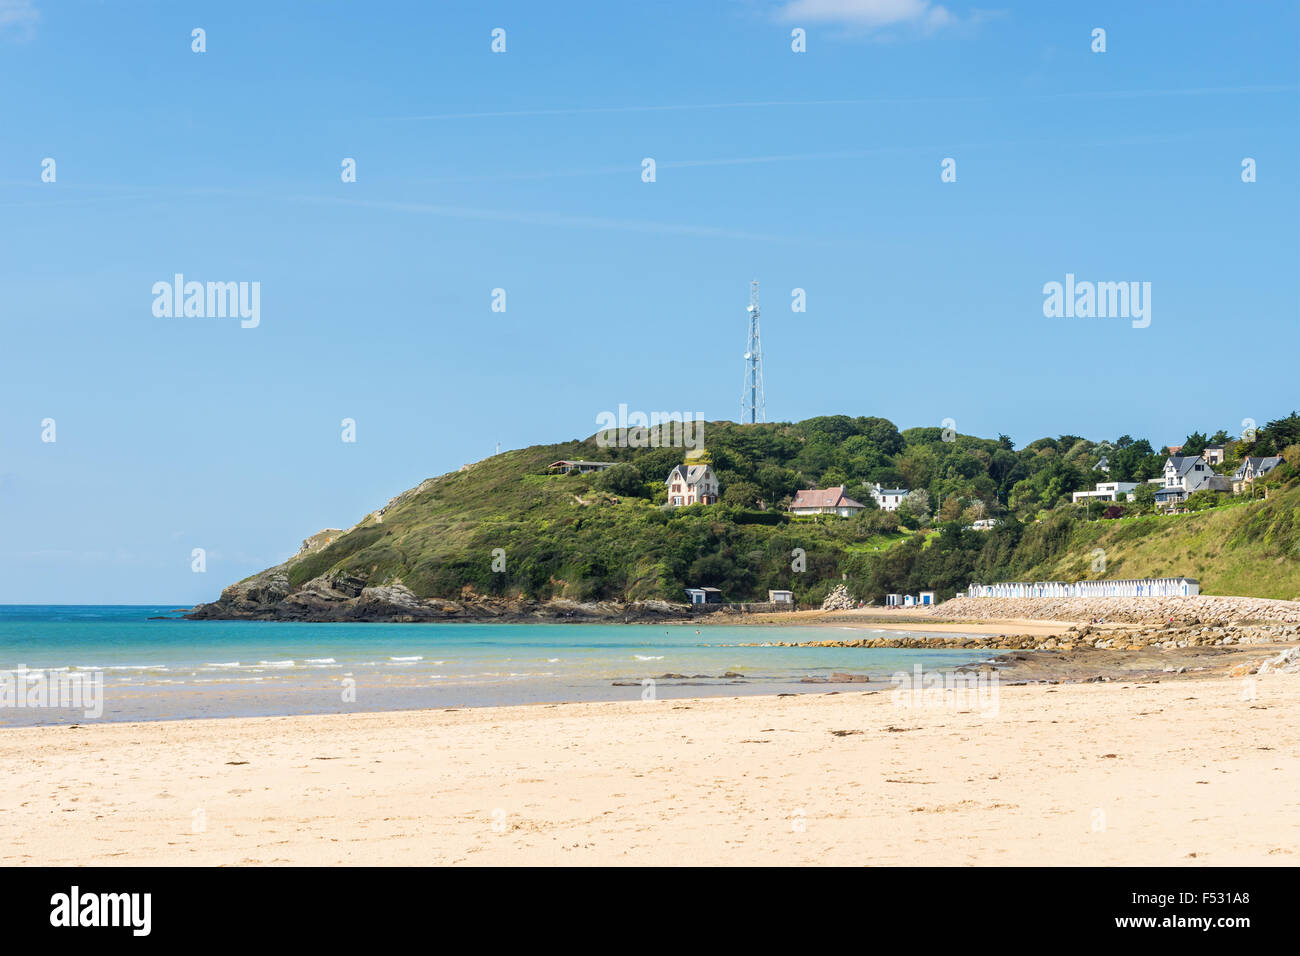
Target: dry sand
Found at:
x=1176, y=772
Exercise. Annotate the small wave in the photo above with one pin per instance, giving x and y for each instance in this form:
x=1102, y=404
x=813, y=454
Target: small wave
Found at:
x=641, y=658
x=552, y=660
x=226, y=664
x=277, y=663
x=405, y=660
x=321, y=660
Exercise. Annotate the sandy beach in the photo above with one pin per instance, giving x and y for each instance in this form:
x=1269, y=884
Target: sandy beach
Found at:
x=1180, y=771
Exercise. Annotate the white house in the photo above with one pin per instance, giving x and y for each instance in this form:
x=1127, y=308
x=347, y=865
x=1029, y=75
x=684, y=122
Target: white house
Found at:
x=691, y=485
x=1185, y=474
x=888, y=499
x=780, y=597
x=1106, y=491
x=824, y=501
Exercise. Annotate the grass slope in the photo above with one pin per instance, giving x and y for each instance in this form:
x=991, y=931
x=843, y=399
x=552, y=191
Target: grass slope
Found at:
x=1246, y=548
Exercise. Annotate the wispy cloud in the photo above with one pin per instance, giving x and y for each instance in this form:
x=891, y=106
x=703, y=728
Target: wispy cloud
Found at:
x=870, y=101
x=542, y=219
x=871, y=14
x=18, y=19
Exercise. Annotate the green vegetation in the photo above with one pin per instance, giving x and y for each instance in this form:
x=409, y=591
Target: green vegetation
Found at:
x=609, y=535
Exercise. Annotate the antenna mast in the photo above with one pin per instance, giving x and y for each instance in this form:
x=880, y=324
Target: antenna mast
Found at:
x=753, y=406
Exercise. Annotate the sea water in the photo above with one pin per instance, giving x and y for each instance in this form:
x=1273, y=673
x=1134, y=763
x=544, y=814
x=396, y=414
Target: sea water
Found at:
x=172, y=668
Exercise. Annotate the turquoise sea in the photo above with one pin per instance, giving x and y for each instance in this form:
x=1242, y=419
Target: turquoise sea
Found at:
x=168, y=669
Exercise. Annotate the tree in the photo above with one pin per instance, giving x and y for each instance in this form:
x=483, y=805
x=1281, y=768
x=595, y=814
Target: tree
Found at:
x=1283, y=432
x=742, y=494
x=623, y=479
x=1194, y=444
x=918, y=502
x=1144, y=496
x=777, y=482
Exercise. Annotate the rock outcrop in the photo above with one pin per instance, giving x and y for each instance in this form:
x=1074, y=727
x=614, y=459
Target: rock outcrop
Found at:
x=341, y=597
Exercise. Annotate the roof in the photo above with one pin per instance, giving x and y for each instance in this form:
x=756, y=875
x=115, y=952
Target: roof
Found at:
x=691, y=474
x=1258, y=465
x=823, y=498
x=709, y=590
x=1183, y=463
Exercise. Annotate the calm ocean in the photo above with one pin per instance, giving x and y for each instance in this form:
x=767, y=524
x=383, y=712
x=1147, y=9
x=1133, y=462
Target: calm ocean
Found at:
x=158, y=670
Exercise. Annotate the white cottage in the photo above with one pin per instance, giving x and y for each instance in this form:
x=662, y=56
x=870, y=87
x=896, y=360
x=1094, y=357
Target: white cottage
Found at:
x=888, y=499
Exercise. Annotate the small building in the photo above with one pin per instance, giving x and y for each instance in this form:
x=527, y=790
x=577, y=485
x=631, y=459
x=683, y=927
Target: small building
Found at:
x=567, y=467
x=824, y=501
x=893, y=600
x=780, y=597
x=691, y=485
x=888, y=499
x=1106, y=491
x=704, y=595
x=909, y=600
x=983, y=524
x=1127, y=587
x=926, y=598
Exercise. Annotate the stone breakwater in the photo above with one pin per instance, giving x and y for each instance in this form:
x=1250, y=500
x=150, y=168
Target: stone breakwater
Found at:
x=1200, y=609
x=1082, y=637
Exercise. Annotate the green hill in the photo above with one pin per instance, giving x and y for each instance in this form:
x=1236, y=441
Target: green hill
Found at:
x=506, y=529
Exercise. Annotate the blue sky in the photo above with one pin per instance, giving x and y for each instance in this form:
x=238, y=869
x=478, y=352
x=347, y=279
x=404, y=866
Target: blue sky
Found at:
x=522, y=170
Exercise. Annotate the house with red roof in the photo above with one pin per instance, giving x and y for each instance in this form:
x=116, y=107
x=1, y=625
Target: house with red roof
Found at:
x=824, y=501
